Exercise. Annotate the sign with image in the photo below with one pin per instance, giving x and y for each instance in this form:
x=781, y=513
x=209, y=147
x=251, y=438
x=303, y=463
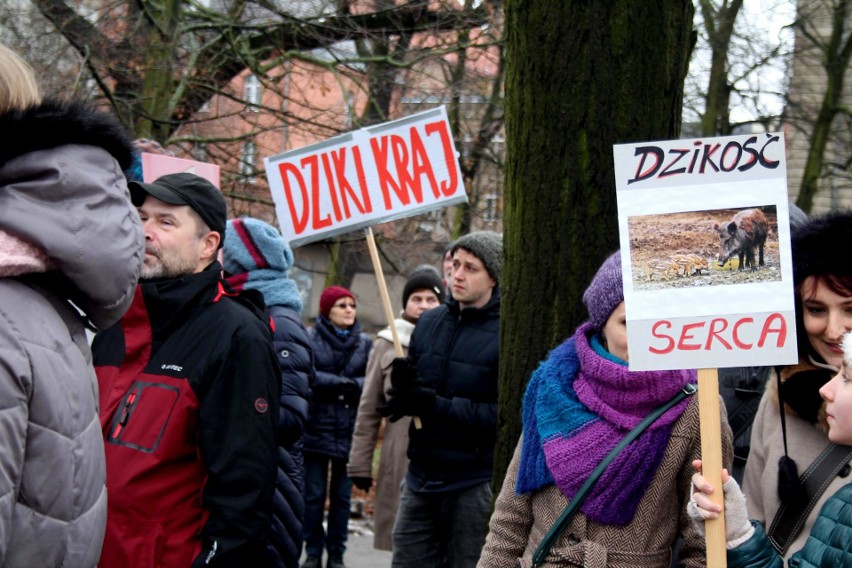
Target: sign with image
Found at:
x=705, y=249
x=388, y=171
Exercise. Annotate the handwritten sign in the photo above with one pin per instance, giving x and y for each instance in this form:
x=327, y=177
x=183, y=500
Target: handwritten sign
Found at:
x=373, y=175
x=157, y=165
x=705, y=249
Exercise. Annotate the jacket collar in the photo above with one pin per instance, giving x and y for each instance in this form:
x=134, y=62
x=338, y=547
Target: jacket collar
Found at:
x=169, y=300
x=490, y=309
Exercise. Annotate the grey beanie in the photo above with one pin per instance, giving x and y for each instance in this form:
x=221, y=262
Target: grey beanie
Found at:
x=605, y=292
x=487, y=246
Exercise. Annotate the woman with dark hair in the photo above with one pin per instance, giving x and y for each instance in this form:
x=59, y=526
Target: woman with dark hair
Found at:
x=786, y=443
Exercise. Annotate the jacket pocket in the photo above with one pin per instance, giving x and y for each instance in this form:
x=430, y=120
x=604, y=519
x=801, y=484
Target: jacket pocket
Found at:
x=143, y=415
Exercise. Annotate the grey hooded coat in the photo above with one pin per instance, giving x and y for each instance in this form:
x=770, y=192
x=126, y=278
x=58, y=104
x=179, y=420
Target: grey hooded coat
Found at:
x=62, y=190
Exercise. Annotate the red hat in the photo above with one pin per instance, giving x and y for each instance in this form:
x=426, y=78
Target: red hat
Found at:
x=330, y=295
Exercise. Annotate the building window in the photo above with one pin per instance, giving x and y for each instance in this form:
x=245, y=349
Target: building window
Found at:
x=247, y=160
x=251, y=93
x=489, y=215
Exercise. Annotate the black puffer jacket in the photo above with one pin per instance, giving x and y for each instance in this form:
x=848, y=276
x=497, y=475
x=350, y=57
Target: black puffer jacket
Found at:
x=457, y=353
x=295, y=358
x=340, y=366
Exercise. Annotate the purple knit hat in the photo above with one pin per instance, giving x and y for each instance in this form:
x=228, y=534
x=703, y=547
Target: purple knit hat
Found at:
x=605, y=292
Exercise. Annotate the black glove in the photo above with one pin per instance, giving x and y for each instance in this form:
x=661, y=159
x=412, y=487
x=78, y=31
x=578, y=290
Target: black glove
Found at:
x=403, y=373
x=362, y=483
x=349, y=390
x=416, y=400
x=391, y=408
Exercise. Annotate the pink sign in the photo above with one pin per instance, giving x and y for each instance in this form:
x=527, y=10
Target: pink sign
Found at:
x=156, y=165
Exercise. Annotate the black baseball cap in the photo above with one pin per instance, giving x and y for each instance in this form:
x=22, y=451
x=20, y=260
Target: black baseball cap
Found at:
x=186, y=189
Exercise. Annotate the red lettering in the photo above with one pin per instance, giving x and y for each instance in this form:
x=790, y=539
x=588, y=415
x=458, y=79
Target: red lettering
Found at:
x=313, y=163
x=447, y=187
x=736, y=335
x=715, y=333
x=671, y=343
x=420, y=163
x=339, y=161
x=400, y=159
x=300, y=221
x=685, y=336
x=386, y=180
x=362, y=181
x=332, y=190
x=781, y=330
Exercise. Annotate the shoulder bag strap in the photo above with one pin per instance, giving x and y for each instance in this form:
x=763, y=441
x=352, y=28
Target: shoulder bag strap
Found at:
x=791, y=516
x=565, y=518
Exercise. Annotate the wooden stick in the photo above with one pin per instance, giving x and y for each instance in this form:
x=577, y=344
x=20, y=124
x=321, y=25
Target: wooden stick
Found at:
x=386, y=303
x=711, y=460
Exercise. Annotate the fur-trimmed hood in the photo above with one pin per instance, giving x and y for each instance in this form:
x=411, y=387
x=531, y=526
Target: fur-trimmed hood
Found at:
x=63, y=191
x=55, y=123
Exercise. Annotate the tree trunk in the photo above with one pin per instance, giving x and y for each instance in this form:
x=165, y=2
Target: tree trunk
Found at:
x=580, y=77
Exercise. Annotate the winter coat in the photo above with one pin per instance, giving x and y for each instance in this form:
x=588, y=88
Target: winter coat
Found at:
x=826, y=545
x=393, y=462
x=189, y=390
x=520, y=521
x=62, y=190
x=340, y=366
x=295, y=359
x=805, y=441
x=457, y=353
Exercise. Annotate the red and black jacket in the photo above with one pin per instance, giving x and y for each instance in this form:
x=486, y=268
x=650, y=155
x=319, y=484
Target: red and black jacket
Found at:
x=189, y=400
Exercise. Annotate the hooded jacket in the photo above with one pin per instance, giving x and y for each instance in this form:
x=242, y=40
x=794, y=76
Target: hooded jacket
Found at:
x=189, y=390
x=62, y=191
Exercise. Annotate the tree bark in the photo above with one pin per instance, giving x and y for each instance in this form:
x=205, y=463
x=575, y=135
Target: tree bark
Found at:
x=580, y=77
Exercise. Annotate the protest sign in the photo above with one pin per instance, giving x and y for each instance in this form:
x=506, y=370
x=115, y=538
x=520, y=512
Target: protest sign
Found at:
x=156, y=165
x=384, y=172
x=705, y=245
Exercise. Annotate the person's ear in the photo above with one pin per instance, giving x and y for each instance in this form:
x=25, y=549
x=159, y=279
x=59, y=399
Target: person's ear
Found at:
x=210, y=243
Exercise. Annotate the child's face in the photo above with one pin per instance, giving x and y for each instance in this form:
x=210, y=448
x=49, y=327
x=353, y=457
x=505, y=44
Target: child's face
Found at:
x=838, y=395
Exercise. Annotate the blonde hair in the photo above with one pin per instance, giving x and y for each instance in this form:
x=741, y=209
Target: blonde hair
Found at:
x=18, y=87
x=847, y=348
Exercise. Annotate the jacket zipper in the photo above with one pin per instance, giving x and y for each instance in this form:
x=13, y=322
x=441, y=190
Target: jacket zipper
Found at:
x=125, y=414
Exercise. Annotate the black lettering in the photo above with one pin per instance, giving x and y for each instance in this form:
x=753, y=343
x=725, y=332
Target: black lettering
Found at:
x=668, y=171
x=768, y=164
x=645, y=151
x=708, y=158
x=753, y=155
x=728, y=146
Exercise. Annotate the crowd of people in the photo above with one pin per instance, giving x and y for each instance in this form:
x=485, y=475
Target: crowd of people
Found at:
x=205, y=426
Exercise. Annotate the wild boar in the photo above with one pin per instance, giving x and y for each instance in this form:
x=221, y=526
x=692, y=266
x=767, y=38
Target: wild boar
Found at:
x=747, y=230
x=690, y=263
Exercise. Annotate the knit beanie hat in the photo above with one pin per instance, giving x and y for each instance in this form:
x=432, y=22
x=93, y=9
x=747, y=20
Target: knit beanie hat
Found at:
x=487, y=246
x=330, y=295
x=258, y=258
x=605, y=292
x=813, y=245
x=424, y=277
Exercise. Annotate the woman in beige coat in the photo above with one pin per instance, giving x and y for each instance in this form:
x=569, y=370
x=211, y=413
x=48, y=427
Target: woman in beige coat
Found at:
x=823, y=282
x=580, y=402
x=423, y=291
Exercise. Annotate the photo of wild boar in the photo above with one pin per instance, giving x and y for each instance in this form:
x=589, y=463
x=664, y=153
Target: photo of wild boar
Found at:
x=718, y=247
x=745, y=232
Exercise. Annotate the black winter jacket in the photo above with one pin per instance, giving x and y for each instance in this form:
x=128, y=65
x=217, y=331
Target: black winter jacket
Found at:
x=295, y=358
x=189, y=392
x=340, y=366
x=457, y=353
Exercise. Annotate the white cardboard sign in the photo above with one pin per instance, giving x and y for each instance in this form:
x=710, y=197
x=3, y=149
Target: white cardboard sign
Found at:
x=372, y=175
x=695, y=219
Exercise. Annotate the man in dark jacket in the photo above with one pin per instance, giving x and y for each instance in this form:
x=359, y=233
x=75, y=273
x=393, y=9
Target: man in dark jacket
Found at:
x=189, y=397
x=449, y=381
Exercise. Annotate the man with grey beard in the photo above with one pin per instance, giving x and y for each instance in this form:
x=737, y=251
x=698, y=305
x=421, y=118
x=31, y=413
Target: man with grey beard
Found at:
x=189, y=397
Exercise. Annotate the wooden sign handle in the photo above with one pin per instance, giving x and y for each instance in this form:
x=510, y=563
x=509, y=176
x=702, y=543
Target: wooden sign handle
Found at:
x=386, y=303
x=711, y=459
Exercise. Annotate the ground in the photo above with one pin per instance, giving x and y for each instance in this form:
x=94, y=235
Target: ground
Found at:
x=662, y=237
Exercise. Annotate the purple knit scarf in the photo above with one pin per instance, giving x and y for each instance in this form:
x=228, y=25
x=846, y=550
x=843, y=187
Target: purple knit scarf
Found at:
x=580, y=403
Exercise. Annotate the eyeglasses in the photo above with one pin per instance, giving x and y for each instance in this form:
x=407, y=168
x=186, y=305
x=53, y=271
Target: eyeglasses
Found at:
x=345, y=305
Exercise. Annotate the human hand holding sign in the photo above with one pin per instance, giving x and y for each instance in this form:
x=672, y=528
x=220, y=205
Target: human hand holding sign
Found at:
x=738, y=529
x=408, y=395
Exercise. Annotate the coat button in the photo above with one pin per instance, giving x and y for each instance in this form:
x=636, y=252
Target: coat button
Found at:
x=285, y=353
x=573, y=540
